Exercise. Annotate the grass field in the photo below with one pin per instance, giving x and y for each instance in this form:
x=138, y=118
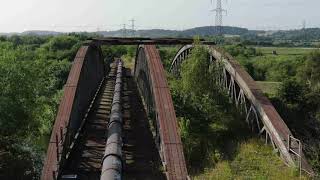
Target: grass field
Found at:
x=285, y=50
x=253, y=160
x=270, y=88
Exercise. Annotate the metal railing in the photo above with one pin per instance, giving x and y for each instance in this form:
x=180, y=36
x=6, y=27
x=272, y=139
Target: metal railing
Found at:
x=294, y=146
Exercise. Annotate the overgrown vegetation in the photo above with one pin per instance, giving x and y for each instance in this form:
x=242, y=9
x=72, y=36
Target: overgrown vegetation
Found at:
x=127, y=53
x=253, y=160
x=33, y=71
x=217, y=141
x=291, y=79
x=202, y=115
x=167, y=54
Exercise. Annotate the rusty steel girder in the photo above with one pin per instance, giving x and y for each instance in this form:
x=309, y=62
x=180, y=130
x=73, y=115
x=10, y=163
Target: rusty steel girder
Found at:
x=151, y=79
x=86, y=74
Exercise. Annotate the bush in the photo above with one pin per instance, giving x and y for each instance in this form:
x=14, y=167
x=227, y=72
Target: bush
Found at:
x=254, y=160
x=19, y=160
x=200, y=115
x=33, y=71
x=167, y=54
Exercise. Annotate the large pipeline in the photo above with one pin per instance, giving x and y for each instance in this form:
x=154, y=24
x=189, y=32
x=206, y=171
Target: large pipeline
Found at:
x=112, y=160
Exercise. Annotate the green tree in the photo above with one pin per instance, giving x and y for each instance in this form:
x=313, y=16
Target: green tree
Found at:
x=206, y=116
x=59, y=48
x=310, y=73
x=30, y=88
x=291, y=92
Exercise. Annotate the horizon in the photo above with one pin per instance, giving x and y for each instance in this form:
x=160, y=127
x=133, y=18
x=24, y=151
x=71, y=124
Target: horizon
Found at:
x=46, y=30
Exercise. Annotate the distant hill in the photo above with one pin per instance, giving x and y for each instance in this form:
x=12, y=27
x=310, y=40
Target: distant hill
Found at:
x=41, y=33
x=212, y=30
x=33, y=32
x=201, y=31
x=309, y=34
x=154, y=33
x=7, y=34
x=143, y=33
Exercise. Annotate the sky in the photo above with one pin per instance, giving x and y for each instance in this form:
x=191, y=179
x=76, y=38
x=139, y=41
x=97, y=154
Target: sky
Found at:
x=93, y=15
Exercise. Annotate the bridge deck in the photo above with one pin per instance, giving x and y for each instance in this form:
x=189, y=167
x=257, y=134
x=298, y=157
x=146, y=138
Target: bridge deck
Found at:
x=141, y=155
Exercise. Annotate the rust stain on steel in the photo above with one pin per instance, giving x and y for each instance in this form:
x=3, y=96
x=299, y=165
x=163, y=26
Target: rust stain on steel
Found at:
x=170, y=137
x=64, y=113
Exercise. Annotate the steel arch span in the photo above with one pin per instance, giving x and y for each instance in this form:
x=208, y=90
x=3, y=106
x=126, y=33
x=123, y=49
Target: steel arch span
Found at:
x=151, y=79
x=260, y=114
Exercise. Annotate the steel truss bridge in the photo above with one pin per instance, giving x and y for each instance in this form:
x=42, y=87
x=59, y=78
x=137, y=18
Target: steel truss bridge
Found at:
x=103, y=118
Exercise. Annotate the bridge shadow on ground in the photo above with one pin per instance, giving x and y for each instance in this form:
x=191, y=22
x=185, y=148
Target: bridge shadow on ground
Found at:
x=142, y=160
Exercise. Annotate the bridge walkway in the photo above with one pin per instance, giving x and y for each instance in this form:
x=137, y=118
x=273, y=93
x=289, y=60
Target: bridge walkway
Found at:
x=85, y=160
x=140, y=152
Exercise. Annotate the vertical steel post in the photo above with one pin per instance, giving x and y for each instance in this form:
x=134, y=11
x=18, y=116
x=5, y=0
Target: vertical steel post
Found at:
x=57, y=146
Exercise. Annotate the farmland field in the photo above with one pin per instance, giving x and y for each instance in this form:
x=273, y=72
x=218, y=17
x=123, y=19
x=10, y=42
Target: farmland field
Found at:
x=285, y=50
x=270, y=88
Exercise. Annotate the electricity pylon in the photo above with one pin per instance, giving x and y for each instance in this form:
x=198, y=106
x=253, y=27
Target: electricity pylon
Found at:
x=219, y=17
